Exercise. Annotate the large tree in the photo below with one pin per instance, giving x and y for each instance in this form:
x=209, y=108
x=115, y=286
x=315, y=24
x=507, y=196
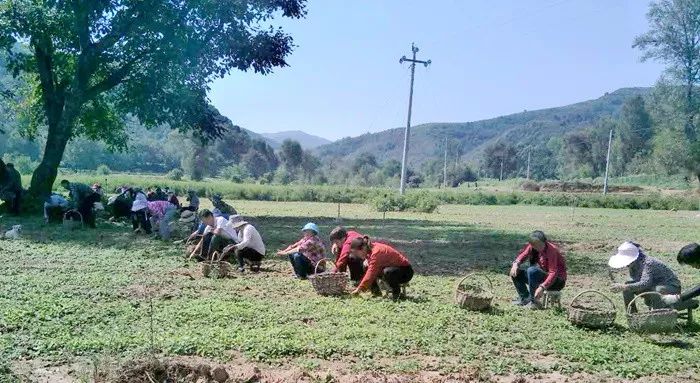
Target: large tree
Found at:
x=500, y=159
x=291, y=154
x=674, y=38
x=634, y=132
x=92, y=62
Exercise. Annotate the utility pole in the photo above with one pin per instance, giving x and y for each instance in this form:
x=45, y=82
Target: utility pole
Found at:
x=404, y=164
x=607, y=165
x=444, y=168
x=528, y=163
x=501, y=179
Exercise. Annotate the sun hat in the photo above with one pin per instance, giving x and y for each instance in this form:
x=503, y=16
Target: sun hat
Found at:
x=140, y=202
x=238, y=224
x=187, y=216
x=626, y=254
x=310, y=227
x=235, y=218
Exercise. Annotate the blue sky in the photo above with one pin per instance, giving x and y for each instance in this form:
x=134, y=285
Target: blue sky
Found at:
x=490, y=58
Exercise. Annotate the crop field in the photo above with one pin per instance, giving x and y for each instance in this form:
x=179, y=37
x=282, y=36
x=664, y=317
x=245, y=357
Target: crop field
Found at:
x=77, y=305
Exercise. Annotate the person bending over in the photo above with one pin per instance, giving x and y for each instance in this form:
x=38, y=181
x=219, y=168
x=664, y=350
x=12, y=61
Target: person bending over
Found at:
x=689, y=255
x=647, y=274
x=83, y=199
x=161, y=214
x=383, y=262
x=341, y=240
x=250, y=246
x=218, y=234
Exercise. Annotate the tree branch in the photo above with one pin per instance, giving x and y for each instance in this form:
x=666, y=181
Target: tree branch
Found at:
x=112, y=80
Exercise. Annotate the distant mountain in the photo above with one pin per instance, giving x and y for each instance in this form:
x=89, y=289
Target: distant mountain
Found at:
x=306, y=140
x=528, y=127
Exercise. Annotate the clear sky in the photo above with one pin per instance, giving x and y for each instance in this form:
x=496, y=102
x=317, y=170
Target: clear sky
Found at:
x=490, y=58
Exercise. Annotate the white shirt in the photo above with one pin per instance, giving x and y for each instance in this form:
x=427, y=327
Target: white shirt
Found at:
x=226, y=229
x=249, y=237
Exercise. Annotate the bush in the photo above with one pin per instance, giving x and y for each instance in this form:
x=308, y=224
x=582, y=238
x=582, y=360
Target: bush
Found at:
x=235, y=173
x=423, y=202
x=176, y=174
x=103, y=170
x=389, y=202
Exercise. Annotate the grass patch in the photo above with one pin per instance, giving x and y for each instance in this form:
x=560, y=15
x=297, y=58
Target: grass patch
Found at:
x=78, y=294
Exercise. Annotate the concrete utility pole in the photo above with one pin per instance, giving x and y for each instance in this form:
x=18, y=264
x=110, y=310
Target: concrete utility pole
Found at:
x=501, y=178
x=404, y=164
x=528, y=163
x=607, y=165
x=444, y=168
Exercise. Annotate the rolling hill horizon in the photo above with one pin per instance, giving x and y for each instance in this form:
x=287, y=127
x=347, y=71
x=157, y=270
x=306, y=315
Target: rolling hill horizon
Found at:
x=427, y=140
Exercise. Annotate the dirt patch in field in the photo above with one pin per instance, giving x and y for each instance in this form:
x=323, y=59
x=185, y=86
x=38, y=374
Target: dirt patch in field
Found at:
x=190, y=369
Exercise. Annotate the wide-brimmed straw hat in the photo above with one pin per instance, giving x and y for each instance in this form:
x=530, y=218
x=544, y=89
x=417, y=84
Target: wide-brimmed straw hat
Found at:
x=187, y=217
x=626, y=254
x=238, y=224
x=140, y=203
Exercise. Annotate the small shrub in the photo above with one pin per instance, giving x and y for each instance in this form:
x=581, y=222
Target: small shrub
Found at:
x=103, y=170
x=389, y=202
x=423, y=202
x=176, y=174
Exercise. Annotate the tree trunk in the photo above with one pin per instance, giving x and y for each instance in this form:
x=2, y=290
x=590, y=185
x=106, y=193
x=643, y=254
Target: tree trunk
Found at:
x=58, y=136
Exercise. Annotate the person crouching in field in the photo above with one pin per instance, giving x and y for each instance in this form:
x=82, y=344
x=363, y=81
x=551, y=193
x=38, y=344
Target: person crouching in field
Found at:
x=250, y=246
x=646, y=274
x=221, y=206
x=306, y=252
x=161, y=214
x=139, y=213
x=218, y=234
x=546, y=270
x=341, y=240
x=383, y=262
x=54, y=207
x=689, y=255
x=83, y=198
x=193, y=200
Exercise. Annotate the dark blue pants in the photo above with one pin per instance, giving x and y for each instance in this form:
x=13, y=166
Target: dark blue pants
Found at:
x=302, y=266
x=527, y=282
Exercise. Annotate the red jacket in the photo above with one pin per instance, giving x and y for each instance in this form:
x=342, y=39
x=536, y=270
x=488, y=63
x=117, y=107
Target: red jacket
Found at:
x=342, y=261
x=382, y=256
x=550, y=260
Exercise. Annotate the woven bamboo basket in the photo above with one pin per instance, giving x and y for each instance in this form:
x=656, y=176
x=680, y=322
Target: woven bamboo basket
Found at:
x=72, y=224
x=328, y=282
x=473, y=297
x=654, y=321
x=216, y=268
x=588, y=316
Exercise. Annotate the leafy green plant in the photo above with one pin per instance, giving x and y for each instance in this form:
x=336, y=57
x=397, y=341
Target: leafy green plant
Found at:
x=176, y=174
x=103, y=170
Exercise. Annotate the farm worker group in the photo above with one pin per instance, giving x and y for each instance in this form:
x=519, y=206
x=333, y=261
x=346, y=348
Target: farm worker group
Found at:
x=222, y=234
x=540, y=267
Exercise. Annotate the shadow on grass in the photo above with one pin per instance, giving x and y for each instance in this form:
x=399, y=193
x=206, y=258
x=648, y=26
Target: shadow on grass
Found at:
x=434, y=248
x=670, y=343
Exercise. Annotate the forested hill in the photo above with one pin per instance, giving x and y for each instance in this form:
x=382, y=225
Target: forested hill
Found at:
x=469, y=138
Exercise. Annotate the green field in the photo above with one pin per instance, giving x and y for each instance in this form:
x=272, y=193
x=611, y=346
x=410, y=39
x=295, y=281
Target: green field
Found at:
x=84, y=298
